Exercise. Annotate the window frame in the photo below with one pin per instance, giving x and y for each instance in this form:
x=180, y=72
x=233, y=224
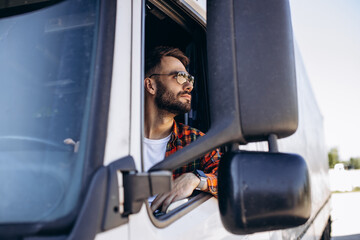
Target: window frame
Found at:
x=187, y=22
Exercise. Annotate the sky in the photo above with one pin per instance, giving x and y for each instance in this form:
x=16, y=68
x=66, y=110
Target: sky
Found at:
x=327, y=33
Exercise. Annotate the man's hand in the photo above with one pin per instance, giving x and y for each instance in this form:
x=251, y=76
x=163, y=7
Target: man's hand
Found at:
x=183, y=187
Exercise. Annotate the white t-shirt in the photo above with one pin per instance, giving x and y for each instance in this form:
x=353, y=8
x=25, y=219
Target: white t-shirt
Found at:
x=154, y=151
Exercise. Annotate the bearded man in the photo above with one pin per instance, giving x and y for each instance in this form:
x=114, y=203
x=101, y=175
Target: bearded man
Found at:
x=168, y=89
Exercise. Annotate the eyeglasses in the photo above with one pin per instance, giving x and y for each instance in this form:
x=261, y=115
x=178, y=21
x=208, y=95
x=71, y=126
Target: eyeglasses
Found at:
x=181, y=77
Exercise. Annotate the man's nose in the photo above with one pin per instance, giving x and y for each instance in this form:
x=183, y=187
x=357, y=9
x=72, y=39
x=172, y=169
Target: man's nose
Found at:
x=188, y=86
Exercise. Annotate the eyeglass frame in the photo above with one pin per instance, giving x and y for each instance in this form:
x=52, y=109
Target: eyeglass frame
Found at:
x=188, y=77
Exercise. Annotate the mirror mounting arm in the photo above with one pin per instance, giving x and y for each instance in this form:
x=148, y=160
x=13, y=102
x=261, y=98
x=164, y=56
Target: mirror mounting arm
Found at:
x=127, y=190
x=272, y=143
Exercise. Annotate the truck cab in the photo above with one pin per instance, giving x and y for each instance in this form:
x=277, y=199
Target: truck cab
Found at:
x=72, y=117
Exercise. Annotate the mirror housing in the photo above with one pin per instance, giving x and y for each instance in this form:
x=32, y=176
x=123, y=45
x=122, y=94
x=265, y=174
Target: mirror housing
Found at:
x=250, y=48
x=260, y=191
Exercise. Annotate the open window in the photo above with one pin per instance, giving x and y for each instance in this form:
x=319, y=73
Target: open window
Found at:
x=170, y=24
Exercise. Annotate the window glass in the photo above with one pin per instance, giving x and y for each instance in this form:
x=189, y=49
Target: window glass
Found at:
x=46, y=57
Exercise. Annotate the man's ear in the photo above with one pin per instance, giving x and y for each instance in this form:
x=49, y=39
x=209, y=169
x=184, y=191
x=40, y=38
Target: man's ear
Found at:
x=150, y=85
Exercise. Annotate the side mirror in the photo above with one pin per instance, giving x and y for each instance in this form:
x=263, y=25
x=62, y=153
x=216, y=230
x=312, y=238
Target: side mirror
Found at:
x=260, y=191
x=250, y=48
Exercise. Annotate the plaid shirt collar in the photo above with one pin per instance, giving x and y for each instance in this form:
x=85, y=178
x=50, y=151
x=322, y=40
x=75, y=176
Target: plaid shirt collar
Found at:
x=175, y=139
x=175, y=131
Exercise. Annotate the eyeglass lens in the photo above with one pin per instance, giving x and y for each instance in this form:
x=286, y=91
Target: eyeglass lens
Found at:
x=183, y=77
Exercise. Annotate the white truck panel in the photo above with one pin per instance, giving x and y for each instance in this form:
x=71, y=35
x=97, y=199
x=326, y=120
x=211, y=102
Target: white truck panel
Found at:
x=121, y=232
x=136, y=84
x=308, y=141
x=118, y=142
x=202, y=223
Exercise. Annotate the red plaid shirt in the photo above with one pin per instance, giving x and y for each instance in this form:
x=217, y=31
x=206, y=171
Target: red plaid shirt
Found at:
x=181, y=136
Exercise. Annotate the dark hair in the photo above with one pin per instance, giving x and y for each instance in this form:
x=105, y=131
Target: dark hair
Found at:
x=153, y=58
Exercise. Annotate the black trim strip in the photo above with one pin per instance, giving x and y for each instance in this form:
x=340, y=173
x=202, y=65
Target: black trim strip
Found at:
x=167, y=219
x=100, y=97
x=89, y=221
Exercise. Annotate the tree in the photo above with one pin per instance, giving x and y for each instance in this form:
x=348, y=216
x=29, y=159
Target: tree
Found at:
x=333, y=157
x=355, y=163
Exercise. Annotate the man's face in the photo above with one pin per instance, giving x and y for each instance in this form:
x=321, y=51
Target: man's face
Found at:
x=170, y=95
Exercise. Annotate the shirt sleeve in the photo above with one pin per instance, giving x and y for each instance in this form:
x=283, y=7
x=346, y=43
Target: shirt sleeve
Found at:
x=209, y=165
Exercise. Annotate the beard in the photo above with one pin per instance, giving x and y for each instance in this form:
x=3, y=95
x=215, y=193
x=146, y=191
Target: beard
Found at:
x=168, y=101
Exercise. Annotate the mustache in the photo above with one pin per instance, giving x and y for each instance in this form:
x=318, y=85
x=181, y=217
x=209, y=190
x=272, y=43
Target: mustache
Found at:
x=183, y=92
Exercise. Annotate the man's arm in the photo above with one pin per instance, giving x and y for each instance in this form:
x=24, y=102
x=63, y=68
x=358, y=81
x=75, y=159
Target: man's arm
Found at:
x=209, y=165
x=183, y=187
x=185, y=184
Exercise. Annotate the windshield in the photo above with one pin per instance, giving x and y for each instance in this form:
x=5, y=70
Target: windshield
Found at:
x=46, y=62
